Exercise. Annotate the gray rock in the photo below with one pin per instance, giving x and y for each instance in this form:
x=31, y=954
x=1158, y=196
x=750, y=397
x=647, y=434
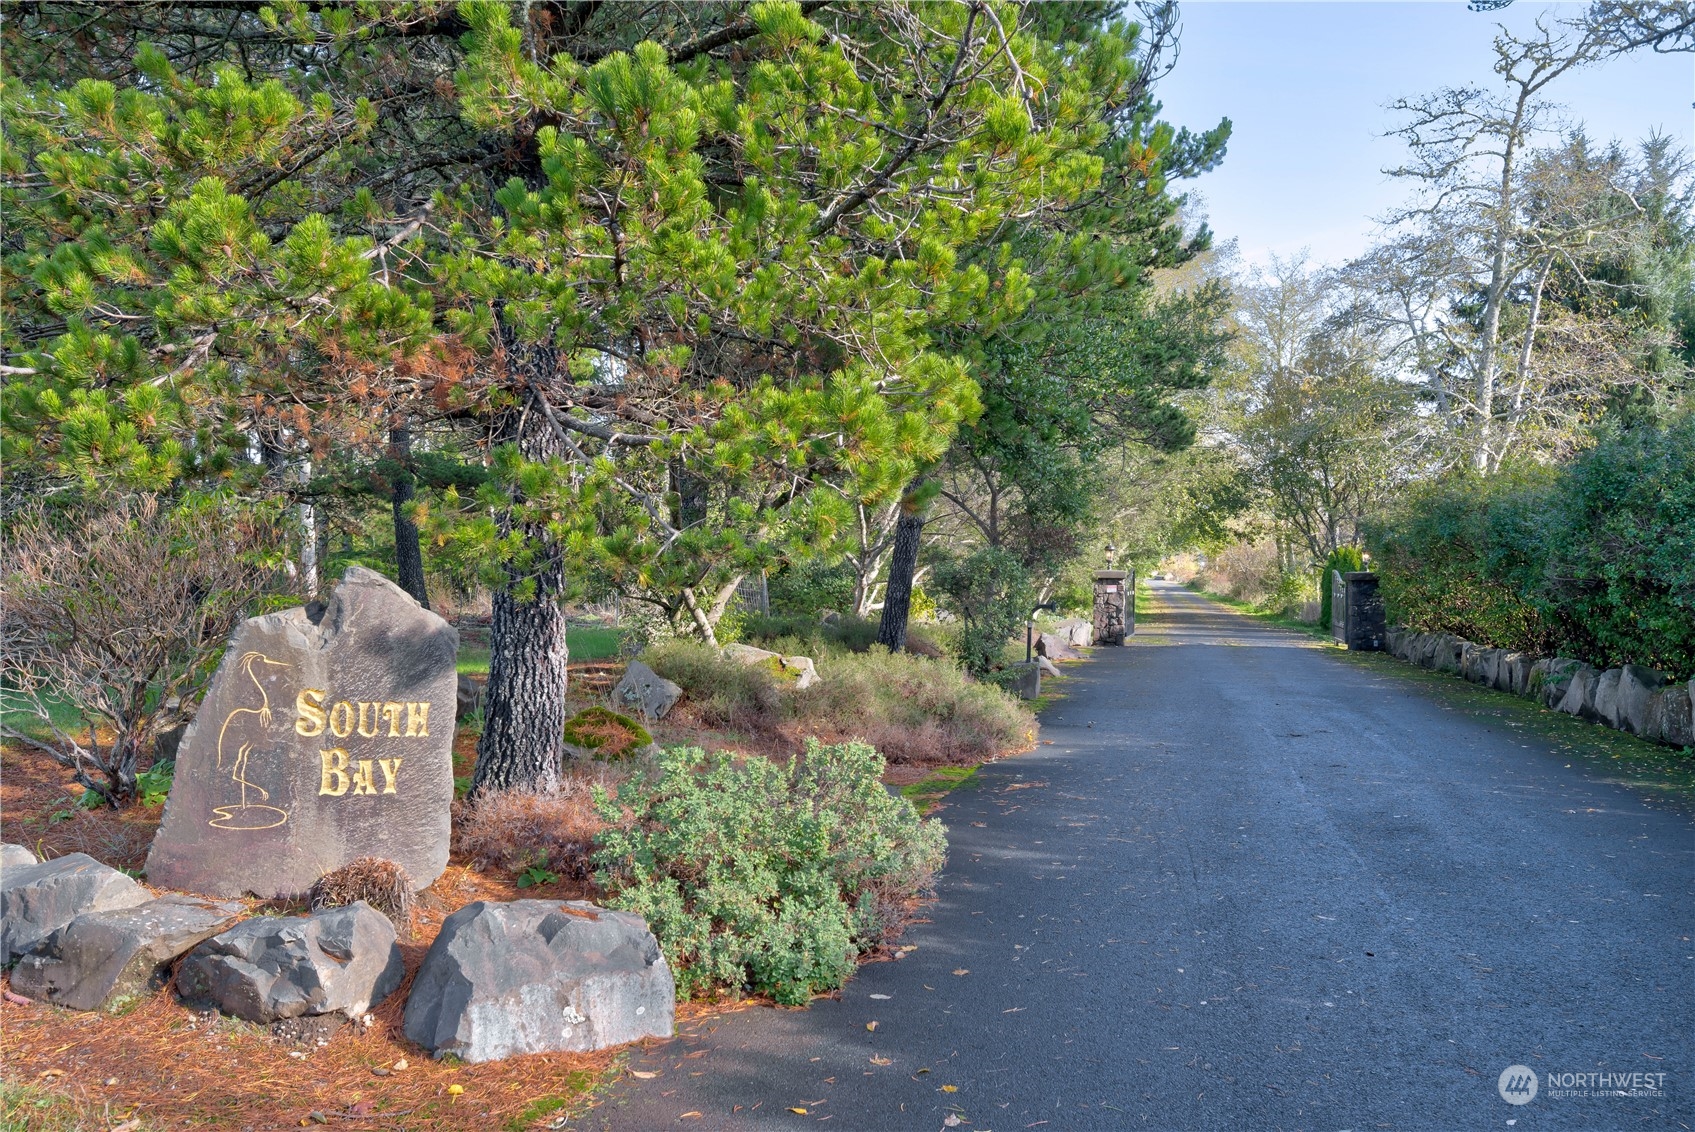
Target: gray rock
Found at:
x=1026, y=681
x=37, y=900
x=1448, y=653
x=1079, y=634
x=799, y=668
x=1557, y=675
x=1603, y=702
x=748, y=654
x=1636, y=687
x=1470, y=657
x=1513, y=673
x=646, y=691
x=326, y=736
x=16, y=857
x=338, y=961
x=1048, y=667
x=806, y=672
x=467, y=696
x=1579, y=698
x=102, y=959
x=1055, y=647
x=1671, y=712
x=537, y=976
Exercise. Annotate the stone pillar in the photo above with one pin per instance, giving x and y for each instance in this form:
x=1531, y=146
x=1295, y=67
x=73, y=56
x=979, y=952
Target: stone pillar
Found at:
x=1365, y=622
x=1114, y=606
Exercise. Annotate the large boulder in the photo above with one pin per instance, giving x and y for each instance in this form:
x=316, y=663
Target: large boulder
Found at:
x=1636, y=687
x=799, y=669
x=1025, y=681
x=16, y=857
x=37, y=900
x=1671, y=712
x=1055, y=647
x=1471, y=656
x=804, y=670
x=326, y=736
x=1048, y=667
x=538, y=976
x=1579, y=697
x=338, y=961
x=103, y=959
x=1557, y=674
x=1513, y=673
x=1448, y=654
x=1604, y=702
x=1078, y=634
x=644, y=690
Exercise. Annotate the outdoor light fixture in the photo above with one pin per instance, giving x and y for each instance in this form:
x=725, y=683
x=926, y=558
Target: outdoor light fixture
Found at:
x=1030, y=628
x=1111, y=551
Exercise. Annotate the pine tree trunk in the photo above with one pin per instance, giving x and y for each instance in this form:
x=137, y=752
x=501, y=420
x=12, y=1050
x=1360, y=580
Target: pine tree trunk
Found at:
x=897, y=595
x=408, y=555
x=523, y=740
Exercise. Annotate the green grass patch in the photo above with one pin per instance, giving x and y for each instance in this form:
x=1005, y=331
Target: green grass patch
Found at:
x=586, y=642
x=926, y=793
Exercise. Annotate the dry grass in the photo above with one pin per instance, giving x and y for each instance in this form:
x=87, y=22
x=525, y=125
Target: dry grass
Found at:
x=515, y=829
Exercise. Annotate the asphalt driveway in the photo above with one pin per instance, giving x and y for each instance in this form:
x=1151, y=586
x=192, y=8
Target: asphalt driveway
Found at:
x=1248, y=883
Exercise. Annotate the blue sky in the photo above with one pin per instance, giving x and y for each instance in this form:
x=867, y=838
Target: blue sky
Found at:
x=1306, y=86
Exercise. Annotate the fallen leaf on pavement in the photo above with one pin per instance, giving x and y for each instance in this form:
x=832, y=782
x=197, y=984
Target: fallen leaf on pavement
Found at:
x=798, y=1111
x=950, y=1088
x=643, y=1074
x=962, y=970
x=886, y=997
x=870, y=1025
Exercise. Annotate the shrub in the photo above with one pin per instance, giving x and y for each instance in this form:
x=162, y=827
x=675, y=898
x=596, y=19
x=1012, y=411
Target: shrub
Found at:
x=118, y=612
x=1594, y=560
x=519, y=829
x=1344, y=559
x=753, y=875
x=725, y=693
x=804, y=590
x=809, y=636
x=1247, y=571
x=915, y=710
x=990, y=591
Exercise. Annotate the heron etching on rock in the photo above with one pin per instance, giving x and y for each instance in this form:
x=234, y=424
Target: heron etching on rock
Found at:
x=245, y=814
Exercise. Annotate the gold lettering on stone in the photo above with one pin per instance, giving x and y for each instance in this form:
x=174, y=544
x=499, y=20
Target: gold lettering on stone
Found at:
x=341, y=719
x=362, y=778
x=391, y=712
x=418, y=719
x=391, y=769
x=335, y=780
x=308, y=705
x=376, y=718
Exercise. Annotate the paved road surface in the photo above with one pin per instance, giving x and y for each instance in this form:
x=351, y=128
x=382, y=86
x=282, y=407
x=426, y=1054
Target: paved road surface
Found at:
x=1252, y=884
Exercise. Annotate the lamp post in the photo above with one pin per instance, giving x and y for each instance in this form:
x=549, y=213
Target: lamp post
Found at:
x=1030, y=628
x=1111, y=553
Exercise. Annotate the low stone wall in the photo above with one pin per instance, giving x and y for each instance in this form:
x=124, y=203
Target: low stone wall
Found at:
x=1636, y=699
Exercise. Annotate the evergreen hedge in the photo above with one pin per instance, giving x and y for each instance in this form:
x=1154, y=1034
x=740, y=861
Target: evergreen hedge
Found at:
x=1595, y=559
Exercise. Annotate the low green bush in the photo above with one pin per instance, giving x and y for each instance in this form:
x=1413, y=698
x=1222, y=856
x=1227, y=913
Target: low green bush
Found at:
x=764, y=877
x=724, y=692
x=1594, y=560
x=915, y=710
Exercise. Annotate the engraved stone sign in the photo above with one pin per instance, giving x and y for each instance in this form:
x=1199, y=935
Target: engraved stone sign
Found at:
x=326, y=735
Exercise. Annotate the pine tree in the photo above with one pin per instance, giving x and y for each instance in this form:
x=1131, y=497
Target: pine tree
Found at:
x=724, y=235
